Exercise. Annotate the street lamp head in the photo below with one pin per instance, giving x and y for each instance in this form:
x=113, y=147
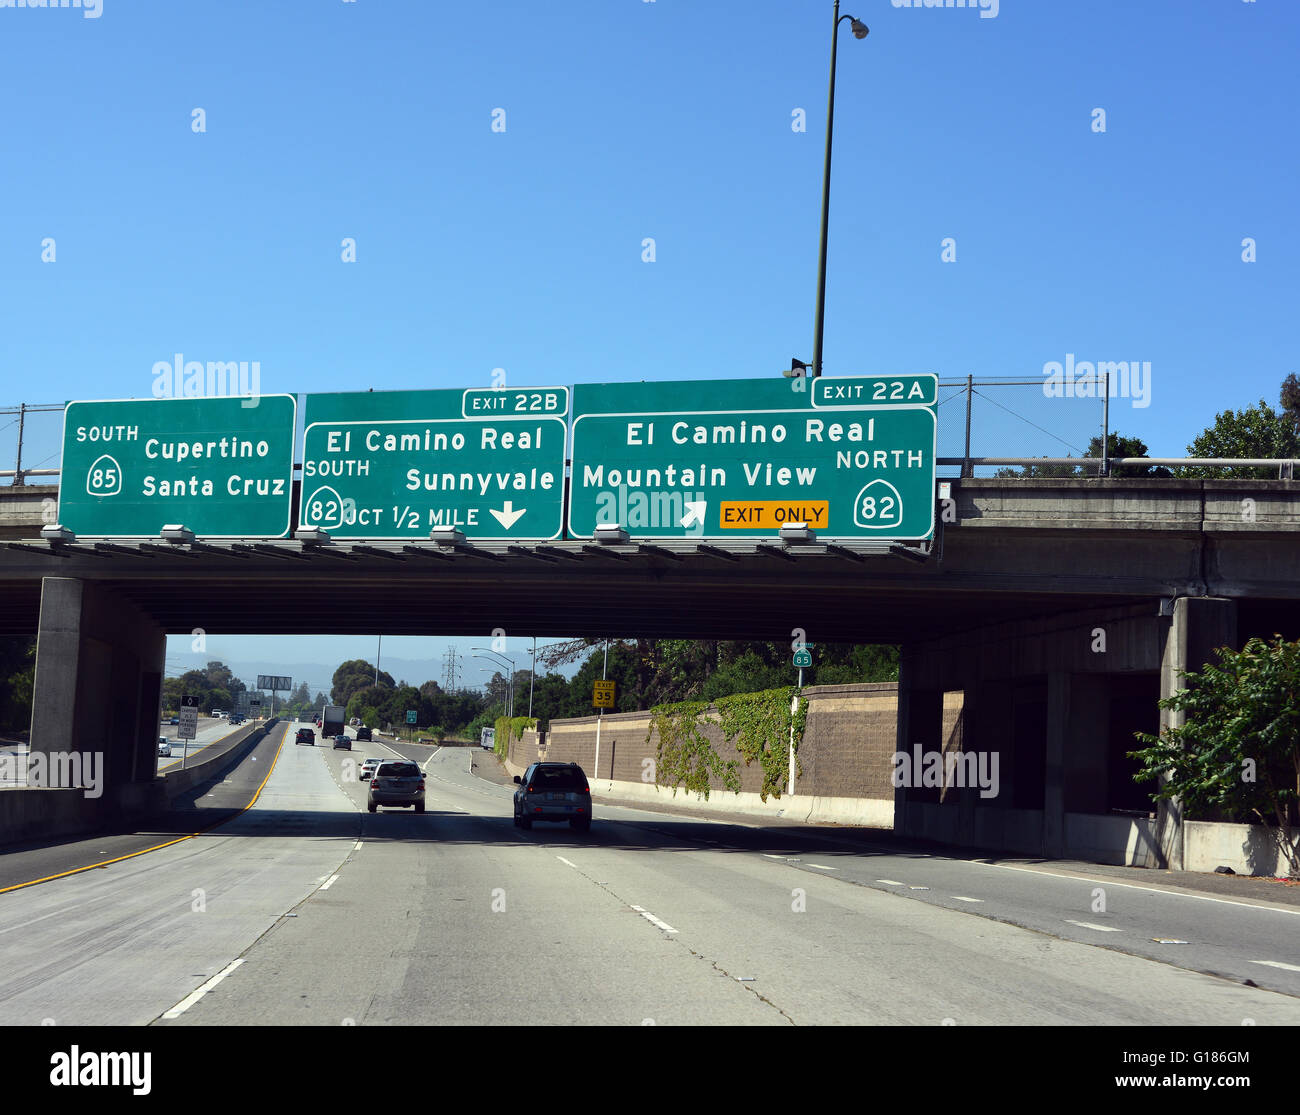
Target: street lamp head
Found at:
x=859, y=29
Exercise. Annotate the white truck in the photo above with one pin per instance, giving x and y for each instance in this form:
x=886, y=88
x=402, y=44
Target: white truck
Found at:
x=488, y=739
x=333, y=717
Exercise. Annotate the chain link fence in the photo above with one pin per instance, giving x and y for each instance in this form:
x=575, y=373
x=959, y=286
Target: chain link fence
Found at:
x=31, y=443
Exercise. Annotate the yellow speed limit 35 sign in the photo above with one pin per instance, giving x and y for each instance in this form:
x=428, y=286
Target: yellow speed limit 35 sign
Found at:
x=602, y=694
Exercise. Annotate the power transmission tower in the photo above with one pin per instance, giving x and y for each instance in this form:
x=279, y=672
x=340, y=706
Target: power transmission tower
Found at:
x=449, y=671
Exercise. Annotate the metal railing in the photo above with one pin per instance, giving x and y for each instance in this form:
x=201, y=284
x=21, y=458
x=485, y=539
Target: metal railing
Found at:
x=19, y=473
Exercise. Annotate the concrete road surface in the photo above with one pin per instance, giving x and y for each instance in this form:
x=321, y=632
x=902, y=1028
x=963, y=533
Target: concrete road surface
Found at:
x=305, y=909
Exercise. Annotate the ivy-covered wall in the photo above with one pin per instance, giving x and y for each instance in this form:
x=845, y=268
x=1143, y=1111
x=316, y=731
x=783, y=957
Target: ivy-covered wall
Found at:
x=845, y=751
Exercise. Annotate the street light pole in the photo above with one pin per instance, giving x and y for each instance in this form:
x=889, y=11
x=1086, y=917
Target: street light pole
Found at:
x=531, y=675
x=859, y=31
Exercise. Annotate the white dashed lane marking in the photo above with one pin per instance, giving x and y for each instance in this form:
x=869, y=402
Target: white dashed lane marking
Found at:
x=194, y=996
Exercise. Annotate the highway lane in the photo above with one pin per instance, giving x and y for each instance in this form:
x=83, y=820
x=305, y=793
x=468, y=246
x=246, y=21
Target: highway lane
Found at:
x=468, y=920
x=306, y=909
x=121, y=944
x=209, y=731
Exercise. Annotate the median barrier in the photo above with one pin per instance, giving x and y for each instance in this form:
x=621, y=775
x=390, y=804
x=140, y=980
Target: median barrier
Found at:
x=177, y=782
x=40, y=813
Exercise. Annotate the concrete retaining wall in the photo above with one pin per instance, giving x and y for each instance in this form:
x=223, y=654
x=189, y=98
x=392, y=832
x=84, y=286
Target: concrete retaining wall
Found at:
x=1247, y=849
x=845, y=756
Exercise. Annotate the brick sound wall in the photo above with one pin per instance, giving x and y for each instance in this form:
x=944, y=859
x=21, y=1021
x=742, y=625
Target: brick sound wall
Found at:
x=846, y=749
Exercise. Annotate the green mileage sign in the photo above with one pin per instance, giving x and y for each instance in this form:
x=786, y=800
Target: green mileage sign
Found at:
x=222, y=467
x=395, y=465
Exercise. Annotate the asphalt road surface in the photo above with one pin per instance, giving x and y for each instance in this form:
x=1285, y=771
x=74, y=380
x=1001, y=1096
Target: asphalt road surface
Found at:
x=305, y=909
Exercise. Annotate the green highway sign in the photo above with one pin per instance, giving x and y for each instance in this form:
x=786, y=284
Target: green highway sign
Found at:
x=396, y=464
x=875, y=391
x=728, y=459
x=222, y=467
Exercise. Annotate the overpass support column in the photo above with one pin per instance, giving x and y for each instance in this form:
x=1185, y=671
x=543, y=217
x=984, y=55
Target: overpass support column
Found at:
x=1078, y=724
x=97, y=690
x=920, y=721
x=1199, y=625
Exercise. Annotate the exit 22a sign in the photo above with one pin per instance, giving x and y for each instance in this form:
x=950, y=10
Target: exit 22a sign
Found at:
x=852, y=457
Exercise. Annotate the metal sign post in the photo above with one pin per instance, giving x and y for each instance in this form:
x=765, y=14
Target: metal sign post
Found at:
x=189, y=722
x=602, y=696
x=802, y=659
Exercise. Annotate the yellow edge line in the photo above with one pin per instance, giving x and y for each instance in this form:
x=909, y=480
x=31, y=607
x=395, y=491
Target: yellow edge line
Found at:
x=156, y=847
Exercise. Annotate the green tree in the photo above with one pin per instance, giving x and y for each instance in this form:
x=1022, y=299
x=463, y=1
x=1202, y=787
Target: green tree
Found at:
x=1117, y=445
x=17, y=676
x=353, y=675
x=1238, y=749
x=550, y=694
x=749, y=673
x=845, y=665
x=1290, y=400
x=1257, y=431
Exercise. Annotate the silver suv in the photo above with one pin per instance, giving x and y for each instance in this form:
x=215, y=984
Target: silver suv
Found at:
x=553, y=792
x=397, y=782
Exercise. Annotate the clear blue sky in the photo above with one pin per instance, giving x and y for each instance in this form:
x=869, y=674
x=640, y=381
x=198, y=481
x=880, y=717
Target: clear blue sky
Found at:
x=669, y=119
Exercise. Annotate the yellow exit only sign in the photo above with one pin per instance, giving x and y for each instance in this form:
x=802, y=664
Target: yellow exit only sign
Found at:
x=602, y=694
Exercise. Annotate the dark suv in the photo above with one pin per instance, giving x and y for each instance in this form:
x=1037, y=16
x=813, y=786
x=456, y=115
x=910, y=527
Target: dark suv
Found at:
x=363, y=733
x=305, y=735
x=553, y=792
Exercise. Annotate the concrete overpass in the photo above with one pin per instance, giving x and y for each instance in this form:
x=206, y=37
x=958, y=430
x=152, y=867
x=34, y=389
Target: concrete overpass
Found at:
x=1004, y=609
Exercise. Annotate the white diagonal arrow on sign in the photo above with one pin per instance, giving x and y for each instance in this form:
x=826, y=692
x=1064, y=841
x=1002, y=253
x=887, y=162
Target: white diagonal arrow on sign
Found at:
x=507, y=516
x=695, y=512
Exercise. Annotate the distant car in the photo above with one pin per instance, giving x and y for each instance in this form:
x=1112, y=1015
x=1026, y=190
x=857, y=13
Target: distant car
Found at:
x=354, y=721
x=305, y=735
x=397, y=782
x=363, y=733
x=164, y=746
x=342, y=743
x=553, y=792
x=174, y=720
x=368, y=768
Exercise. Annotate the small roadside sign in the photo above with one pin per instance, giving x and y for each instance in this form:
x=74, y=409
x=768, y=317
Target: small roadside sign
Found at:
x=410, y=716
x=803, y=658
x=602, y=694
x=189, y=717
